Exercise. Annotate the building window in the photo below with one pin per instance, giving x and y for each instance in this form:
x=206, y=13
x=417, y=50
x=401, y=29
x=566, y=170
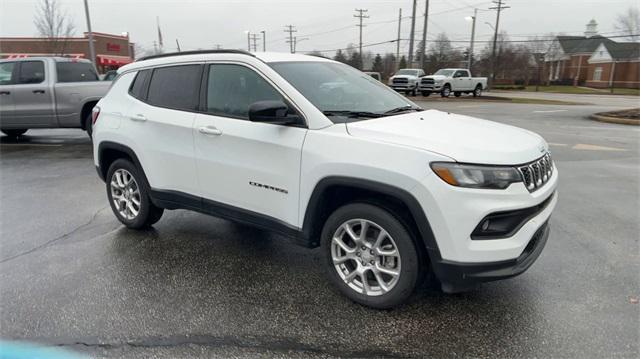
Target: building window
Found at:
x=597, y=74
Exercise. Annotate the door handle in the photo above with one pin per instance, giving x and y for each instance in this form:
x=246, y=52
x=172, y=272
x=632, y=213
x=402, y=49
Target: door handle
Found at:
x=210, y=130
x=38, y=91
x=138, y=117
x=5, y=92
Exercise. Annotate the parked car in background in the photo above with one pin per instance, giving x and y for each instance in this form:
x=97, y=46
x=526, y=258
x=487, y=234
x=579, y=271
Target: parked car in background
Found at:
x=406, y=80
x=110, y=75
x=48, y=92
x=375, y=75
x=458, y=81
x=309, y=148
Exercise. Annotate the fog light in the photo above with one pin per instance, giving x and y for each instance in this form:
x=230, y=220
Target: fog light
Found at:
x=485, y=225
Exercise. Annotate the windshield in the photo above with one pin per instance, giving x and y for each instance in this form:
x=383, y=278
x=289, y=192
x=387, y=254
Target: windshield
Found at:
x=407, y=72
x=447, y=73
x=334, y=87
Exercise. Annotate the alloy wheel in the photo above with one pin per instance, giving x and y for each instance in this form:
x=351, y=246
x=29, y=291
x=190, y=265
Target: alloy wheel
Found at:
x=366, y=257
x=125, y=194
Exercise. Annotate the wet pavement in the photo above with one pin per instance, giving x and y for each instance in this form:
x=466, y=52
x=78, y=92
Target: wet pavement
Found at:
x=73, y=278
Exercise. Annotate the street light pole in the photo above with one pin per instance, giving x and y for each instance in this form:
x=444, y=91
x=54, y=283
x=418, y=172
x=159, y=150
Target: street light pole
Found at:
x=92, y=49
x=473, y=34
x=264, y=40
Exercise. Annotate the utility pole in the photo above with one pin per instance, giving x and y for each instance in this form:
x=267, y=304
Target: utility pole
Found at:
x=218, y=46
x=423, y=50
x=290, y=29
x=264, y=40
x=398, y=42
x=473, y=35
x=254, y=39
x=411, y=36
x=178, y=45
x=361, y=16
x=499, y=7
x=248, y=40
x=92, y=48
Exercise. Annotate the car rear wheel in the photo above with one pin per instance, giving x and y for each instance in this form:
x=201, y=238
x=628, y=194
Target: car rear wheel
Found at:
x=370, y=255
x=14, y=133
x=426, y=93
x=446, y=91
x=477, y=92
x=129, y=196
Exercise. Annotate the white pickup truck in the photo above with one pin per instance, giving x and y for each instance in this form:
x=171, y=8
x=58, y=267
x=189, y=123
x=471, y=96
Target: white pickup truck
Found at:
x=458, y=81
x=48, y=92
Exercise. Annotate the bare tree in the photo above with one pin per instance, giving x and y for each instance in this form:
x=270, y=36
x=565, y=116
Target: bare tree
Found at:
x=55, y=25
x=629, y=24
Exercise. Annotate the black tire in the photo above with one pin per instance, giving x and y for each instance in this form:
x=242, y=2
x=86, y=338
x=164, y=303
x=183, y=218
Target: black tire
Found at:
x=148, y=213
x=410, y=264
x=15, y=133
x=88, y=125
x=477, y=92
x=414, y=92
x=446, y=91
x=426, y=93
x=457, y=94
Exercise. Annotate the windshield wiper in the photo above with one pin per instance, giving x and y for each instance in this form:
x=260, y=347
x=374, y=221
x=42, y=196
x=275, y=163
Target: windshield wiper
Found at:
x=352, y=113
x=401, y=109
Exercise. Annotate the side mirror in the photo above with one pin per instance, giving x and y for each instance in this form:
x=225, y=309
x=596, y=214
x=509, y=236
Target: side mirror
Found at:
x=276, y=112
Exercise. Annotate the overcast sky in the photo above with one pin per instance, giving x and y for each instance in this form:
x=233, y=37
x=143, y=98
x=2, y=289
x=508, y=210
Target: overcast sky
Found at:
x=328, y=24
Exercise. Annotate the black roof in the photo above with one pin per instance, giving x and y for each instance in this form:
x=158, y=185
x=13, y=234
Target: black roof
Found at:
x=582, y=44
x=624, y=50
x=197, y=52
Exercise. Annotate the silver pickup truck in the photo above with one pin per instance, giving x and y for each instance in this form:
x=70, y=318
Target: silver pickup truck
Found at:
x=48, y=92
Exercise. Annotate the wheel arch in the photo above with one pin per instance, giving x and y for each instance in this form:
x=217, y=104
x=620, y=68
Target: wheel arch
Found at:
x=333, y=192
x=109, y=152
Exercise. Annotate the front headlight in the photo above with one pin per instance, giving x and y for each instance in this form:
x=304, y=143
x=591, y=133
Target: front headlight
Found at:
x=474, y=176
x=439, y=81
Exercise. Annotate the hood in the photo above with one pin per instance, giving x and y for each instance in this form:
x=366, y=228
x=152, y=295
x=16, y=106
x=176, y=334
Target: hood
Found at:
x=410, y=77
x=435, y=77
x=463, y=138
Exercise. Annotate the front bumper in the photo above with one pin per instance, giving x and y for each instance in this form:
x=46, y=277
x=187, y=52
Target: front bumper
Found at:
x=457, y=277
x=403, y=87
x=432, y=88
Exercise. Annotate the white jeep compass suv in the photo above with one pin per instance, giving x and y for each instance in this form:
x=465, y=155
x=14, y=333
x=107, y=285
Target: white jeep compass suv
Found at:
x=328, y=156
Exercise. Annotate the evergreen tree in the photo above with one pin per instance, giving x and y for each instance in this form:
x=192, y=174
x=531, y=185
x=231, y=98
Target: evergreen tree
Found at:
x=340, y=57
x=377, y=64
x=403, y=62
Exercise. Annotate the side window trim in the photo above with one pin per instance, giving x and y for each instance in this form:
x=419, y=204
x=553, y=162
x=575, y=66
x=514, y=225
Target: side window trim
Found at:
x=202, y=108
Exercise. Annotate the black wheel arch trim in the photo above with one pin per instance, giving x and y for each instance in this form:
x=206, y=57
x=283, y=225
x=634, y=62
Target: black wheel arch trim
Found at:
x=108, y=145
x=416, y=211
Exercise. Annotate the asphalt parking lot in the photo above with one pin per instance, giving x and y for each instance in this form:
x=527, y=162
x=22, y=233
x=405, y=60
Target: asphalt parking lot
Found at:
x=72, y=277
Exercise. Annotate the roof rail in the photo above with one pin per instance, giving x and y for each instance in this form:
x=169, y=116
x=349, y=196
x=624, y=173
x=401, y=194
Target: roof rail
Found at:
x=197, y=52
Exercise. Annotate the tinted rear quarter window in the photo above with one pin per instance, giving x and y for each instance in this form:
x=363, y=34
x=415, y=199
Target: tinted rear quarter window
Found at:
x=138, y=87
x=75, y=72
x=175, y=87
x=31, y=72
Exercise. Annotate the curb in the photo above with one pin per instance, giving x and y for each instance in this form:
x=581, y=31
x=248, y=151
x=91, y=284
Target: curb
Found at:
x=609, y=119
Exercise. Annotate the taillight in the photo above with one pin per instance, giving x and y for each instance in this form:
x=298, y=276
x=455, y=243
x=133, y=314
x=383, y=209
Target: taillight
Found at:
x=94, y=114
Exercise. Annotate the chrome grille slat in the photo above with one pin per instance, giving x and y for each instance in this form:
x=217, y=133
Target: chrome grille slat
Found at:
x=537, y=173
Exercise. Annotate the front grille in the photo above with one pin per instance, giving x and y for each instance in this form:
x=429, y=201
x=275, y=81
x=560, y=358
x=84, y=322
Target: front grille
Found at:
x=537, y=173
x=427, y=81
x=400, y=81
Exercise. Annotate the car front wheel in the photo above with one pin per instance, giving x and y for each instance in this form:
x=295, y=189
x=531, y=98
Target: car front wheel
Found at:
x=370, y=255
x=446, y=91
x=477, y=92
x=129, y=196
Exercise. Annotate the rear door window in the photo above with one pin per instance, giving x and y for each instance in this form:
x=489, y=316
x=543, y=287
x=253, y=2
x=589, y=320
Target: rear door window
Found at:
x=175, y=87
x=6, y=73
x=31, y=72
x=69, y=71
